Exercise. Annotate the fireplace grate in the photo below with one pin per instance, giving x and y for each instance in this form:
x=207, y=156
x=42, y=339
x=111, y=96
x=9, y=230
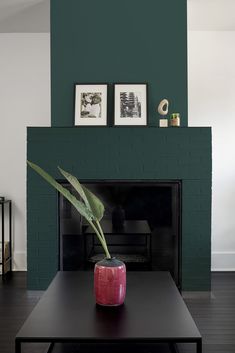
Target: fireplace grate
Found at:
x=127, y=258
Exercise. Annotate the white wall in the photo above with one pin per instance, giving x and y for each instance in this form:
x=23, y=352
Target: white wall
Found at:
x=24, y=101
x=211, y=15
x=212, y=103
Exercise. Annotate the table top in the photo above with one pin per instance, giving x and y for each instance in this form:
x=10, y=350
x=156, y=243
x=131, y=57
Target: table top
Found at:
x=153, y=311
x=131, y=227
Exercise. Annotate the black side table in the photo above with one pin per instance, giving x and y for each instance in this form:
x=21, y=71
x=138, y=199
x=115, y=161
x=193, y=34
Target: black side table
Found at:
x=4, y=262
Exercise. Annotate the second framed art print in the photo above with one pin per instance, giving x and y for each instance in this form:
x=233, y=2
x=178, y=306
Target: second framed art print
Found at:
x=90, y=105
x=130, y=104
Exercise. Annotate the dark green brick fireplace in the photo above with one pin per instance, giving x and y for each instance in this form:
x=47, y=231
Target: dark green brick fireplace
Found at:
x=121, y=153
x=123, y=41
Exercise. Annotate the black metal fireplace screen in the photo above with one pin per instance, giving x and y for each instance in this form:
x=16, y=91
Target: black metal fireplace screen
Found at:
x=142, y=225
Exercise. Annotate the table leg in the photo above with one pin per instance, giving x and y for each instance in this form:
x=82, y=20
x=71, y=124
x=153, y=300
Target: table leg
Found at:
x=17, y=346
x=3, y=241
x=173, y=348
x=199, y=346
x=10, y=234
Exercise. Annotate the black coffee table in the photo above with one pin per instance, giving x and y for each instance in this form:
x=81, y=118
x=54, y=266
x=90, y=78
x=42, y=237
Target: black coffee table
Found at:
x=154, y=312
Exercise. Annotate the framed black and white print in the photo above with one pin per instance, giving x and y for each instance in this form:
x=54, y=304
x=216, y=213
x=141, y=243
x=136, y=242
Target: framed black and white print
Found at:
x=90, y=105
x=130, y=104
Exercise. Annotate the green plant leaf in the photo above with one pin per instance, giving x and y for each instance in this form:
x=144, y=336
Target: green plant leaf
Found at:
x=77, y=186
x=80, y=206
x=91, y=201
x=96, y=205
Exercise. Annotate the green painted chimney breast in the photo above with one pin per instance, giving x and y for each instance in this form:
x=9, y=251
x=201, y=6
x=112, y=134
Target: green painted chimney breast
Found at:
x=119, y=41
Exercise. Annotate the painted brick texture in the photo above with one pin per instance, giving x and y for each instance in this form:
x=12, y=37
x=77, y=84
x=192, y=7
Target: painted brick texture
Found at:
x=121, y=153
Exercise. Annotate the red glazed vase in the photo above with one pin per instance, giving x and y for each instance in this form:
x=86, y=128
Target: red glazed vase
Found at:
x=110, y=282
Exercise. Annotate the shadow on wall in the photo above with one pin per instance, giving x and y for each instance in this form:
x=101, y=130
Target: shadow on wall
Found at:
x=31, y=17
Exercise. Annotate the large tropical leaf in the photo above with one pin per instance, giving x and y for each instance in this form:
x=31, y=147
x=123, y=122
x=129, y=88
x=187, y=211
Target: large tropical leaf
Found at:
x=77, y=186
x=80, y=206
x=91, y=201
x=96, y=205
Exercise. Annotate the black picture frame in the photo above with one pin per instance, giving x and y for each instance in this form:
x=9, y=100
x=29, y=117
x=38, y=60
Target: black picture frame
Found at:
x=136, y=112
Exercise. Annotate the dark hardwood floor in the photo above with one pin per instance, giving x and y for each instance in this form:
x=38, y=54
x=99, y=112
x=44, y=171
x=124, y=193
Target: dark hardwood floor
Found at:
x=214, y=315
x=16, y=303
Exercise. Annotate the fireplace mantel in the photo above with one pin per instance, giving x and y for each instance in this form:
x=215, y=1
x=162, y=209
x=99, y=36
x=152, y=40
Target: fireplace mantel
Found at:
x=121, y=153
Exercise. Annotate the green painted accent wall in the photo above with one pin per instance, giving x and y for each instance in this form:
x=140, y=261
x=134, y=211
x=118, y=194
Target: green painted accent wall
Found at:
x=121, y=153
x=119, y=41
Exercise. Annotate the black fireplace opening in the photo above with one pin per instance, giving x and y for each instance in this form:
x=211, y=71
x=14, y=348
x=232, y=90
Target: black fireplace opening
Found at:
x=141, y=223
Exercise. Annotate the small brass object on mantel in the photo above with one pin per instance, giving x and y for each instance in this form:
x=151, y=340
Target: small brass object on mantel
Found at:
x=175, y=120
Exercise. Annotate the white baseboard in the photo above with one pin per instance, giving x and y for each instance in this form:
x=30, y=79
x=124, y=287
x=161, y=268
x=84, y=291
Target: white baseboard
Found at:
x=19, y=261
x=220, y=261
x=223, y=261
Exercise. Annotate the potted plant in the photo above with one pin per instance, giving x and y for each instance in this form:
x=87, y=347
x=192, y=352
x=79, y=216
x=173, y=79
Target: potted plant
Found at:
x=109, y=273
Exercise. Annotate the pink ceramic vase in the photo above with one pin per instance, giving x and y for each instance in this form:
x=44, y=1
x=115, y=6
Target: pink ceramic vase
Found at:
x=110, y=282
